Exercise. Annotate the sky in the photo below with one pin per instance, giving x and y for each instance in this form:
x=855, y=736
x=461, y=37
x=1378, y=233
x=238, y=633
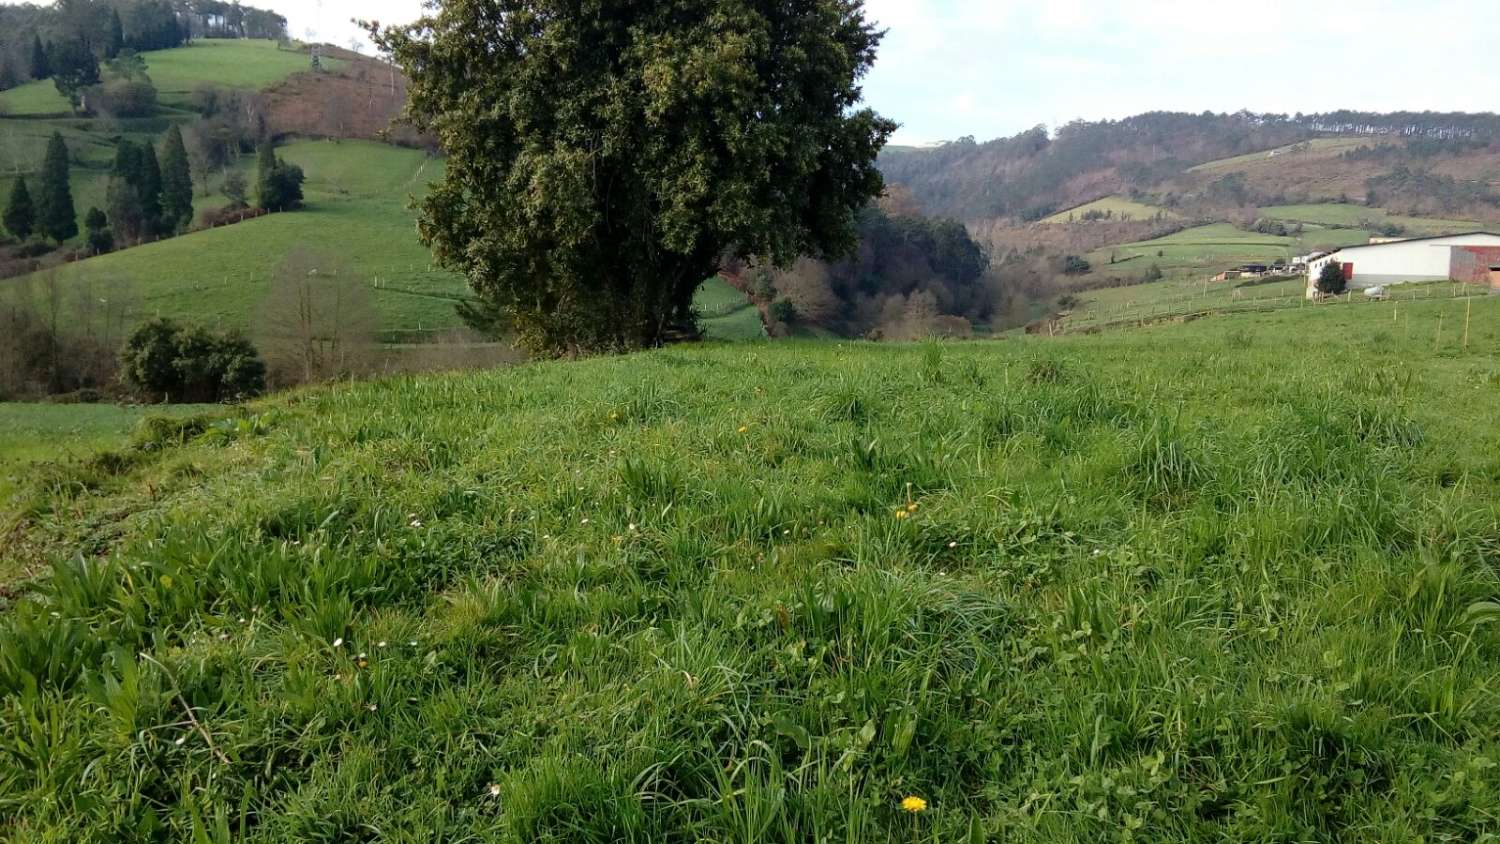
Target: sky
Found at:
x=989, y=68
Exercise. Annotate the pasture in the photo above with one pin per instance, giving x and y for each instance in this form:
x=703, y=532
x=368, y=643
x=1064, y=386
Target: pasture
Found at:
x=1189, y=583
x=1121, y=207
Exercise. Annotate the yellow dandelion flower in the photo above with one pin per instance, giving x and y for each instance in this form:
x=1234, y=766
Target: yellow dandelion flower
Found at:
x=744, y=429
x=914, y=804
x=912, y=507
x=901, y=514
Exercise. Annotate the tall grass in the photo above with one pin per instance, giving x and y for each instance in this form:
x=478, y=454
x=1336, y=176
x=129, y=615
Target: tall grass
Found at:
x=1144, y=587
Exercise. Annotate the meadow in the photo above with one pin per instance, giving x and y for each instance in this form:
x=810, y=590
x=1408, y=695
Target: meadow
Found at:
x=1204, y=582
x=1320, y=146
x=1120, y=206
x=64, y=433
x=356, y=214
x=245, y=64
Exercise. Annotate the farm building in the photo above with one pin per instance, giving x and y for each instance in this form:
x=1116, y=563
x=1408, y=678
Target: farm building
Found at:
x=1472, y=258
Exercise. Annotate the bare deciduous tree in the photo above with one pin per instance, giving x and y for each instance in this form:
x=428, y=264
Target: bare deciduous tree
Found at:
x=318, y=322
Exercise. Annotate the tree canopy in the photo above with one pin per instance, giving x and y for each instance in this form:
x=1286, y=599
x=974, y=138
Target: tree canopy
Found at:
x=604, y=157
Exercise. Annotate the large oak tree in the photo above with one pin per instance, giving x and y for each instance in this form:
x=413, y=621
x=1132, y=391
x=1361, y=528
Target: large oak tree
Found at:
x=604, y=156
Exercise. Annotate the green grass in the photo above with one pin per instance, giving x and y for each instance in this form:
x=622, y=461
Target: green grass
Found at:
x=1323, y=146
x=1337, y=214
x=726, y=314
x=357, y=193
x=244, y=64
x=1121, y=206
x=1212, y=582
x=63, y=433
x=34, y=99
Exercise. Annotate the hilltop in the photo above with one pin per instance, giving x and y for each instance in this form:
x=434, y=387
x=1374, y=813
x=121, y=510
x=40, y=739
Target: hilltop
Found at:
x=1159, y=584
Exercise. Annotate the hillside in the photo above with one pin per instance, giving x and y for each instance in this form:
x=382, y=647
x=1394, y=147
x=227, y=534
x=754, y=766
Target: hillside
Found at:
x=357, y=214
x=1053, y=588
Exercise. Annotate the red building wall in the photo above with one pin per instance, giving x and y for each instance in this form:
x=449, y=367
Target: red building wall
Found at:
x=1471, y=264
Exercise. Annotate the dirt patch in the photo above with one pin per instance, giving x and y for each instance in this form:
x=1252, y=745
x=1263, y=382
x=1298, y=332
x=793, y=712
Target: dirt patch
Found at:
x=362, y=100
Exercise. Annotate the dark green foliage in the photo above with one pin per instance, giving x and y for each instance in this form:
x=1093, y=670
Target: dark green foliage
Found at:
x=168, y=362
x=176, y=183
x=8, y=78
x=74, y=68
x=97, y=232
x=20, y=213
x=56, y=217
x=150, y=187
x=1153, y=273
x=125, y=195
x=604, y=157
x=1075, y=265
x=114, y=36
x=40, y=66
x=1331, y=281
x=783, y=310
x=278, y=184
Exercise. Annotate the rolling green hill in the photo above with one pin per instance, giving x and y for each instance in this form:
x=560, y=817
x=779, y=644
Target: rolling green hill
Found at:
x=357, y=194
x=1176, y=584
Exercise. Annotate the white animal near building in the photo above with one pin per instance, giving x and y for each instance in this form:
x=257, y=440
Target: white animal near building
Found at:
x=1471, y=258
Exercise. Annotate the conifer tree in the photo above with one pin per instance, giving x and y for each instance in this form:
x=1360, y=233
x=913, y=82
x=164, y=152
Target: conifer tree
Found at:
x=150, y=187
x=56, y=217
x=40, y=66
x=20, y=214
x=114, y=36
x=176, y=183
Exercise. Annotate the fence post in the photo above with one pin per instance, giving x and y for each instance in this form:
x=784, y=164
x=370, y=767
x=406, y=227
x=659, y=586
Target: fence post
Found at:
x=1437, y=344
x=1468, y=314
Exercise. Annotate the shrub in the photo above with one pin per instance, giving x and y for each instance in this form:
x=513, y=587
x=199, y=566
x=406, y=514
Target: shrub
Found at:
x=1074, y=265
x=168, y=362
x=1331, y=281
x=124, y=98
x=782, y=310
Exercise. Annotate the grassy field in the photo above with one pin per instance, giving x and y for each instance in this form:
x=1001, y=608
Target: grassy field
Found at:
x=1209, y=582
x=1352, y=216
x=357, y=213
x=1122, y=207
x=244, y=64
x=63, y=433
x=1323, y=146
x=1202, y=250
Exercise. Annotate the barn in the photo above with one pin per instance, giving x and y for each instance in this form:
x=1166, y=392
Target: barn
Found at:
x=1473, y=258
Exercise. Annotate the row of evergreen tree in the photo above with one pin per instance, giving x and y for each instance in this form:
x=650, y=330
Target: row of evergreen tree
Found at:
x=148, y=197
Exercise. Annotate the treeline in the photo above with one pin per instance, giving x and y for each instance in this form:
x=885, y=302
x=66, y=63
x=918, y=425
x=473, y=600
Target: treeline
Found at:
x=911, y=277
x=45, y=42
x=1034, y=174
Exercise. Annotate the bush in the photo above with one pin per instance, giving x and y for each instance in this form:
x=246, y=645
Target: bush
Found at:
x=168, y=362
x=1331, y=281
x=1074, y=265
x=124, y=98
x=782, y=310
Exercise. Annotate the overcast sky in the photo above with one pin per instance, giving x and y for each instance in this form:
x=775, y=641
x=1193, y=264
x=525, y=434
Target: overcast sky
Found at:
x=987, y=68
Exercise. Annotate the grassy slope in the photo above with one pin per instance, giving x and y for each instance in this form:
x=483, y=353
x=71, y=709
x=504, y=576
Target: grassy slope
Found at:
x=51, y=433
x=1155, y=586
x=1324, y=146
x=357, y=193
x=1336, y=214
x=1120, y=205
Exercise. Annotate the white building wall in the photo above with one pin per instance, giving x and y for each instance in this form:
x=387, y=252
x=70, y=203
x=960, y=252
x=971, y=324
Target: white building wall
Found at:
x=1398, y=263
